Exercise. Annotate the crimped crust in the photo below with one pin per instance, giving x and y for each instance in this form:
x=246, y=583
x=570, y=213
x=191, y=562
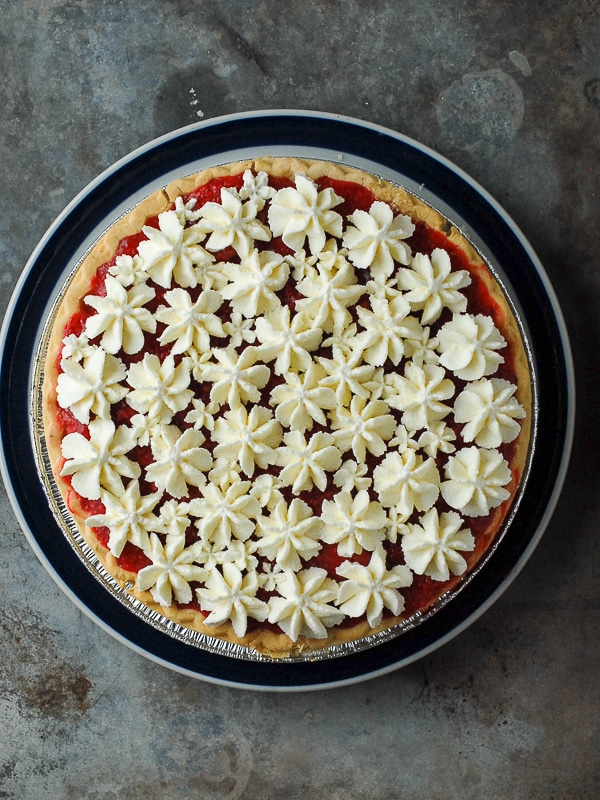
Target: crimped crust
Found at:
x=263, y=638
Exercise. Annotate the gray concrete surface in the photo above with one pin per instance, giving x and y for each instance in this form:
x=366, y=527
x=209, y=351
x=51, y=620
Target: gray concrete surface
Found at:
x=511, y=92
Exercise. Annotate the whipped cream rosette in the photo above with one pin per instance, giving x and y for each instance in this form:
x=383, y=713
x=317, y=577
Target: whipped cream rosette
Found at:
x=287, y=405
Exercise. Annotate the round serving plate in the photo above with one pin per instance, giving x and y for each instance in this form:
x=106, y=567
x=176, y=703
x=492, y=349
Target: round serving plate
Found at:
x=309, y=135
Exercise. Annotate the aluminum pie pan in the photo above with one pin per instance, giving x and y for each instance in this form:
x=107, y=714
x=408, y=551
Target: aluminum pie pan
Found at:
x=213, y=644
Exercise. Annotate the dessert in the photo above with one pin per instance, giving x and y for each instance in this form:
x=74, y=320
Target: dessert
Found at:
x=286, y=403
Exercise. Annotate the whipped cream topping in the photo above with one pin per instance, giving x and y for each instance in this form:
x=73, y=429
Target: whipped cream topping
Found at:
x=433, y=546
x=268, y=381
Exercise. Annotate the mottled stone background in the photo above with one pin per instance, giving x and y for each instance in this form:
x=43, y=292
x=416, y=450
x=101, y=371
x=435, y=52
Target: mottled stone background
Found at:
x=511, y=92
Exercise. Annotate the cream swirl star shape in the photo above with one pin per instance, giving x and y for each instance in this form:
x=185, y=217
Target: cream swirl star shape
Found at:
x=232, y=223
x=236, y=377
x=93, y=386
x=253, y=282
x=173, y=251
x=289, y=533
x=289, y=341
x=468, y=346
x=404, y=480
x=190, y=324
x=364, y=426
x=100, y=461
x=419, y=394
x=433, y=546
x=250, y=438
x=386, y=325
x=172, y=570
x=369, y=589
x=121, y=318
x=490, y=412
x=229, y=594
x=306, y=463
x=300, y=401
x=304, y=212
x=430, y=285
x=128, y=516
x=376, y=239
x=475, y=481
x=304, y=604
x=353, y=523
x=159, y=388
x=225, y=513
x=179, y=460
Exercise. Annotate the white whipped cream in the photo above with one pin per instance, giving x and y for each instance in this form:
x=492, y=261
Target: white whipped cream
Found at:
x=371, y=588
x=172, y=570
x=253, y=282
x=248, y=438
x=229, y=594
x=121, y=318
x=289, y=341
x=431, y=285
x=304, y=604
x=419, y=394
x=129, y=517
x=353, y=523
x=475, y=481
x=404, y=480
x=179, y=460
x=490, y=412
x=100, y=461
x=223, y=513
x=304, y=212
x=172, y=252
x=93, y=386
x=365, y=426
x=300, y=400
x=468, y=346
x=159, y=388
x=289, y=534
x=375, y=239
x=386, y=326
x=236, y=378
x=433, y=546
x=190, y=324
x=306, y=463
x=232, y=223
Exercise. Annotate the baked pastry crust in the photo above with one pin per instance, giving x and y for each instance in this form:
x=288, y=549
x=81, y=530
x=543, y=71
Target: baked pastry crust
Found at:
x=265, y=638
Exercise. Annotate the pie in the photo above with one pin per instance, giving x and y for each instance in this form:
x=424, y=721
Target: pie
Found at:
x=287, y=404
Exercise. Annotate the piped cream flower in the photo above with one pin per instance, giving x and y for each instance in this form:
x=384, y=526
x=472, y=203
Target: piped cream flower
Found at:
x=347, y=375
x=468, y=346
x=304, y=604
x=289, y=533
x=190, y=324
x=433, y=546
x=159, y=388
x=365, y=426
x=376, y=239
x=431, y=285
x=91, y=387
x=386, y=325
x=128, y=516
x=369, y=589
x=419, y=394
x=254, y=281
x=121, y=318
x=179, y=460
x=225, y=513
x=231, y=595
x=300, y=400
x=288, y=341
x=101, y=460
x=327, y=296
x=304, y=212
x=172, y=570
x=404, y=480
x=236, y=378
x=250, y=438
x=353, y=523
x=173, y=251
x=490, y=412
x=306, y=463
x=232, y=223
x=475, y=481
x=256, y=188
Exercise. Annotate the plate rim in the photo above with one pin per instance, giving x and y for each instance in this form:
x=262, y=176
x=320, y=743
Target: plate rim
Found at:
x=430, y=154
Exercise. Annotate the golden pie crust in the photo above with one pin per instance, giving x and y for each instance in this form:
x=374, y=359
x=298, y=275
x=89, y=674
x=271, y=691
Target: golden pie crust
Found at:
x=264, y=639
